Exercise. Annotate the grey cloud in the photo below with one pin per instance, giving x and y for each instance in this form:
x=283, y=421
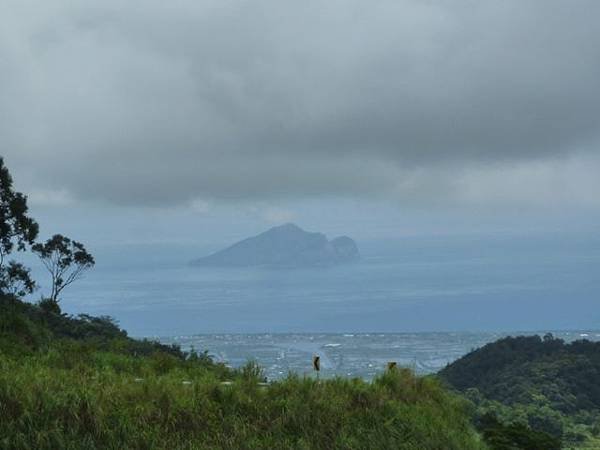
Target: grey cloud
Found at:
x=158, y=103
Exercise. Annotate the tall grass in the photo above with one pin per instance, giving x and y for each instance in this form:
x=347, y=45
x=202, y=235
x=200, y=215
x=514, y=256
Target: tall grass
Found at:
x=108, y=401
x=81, y=383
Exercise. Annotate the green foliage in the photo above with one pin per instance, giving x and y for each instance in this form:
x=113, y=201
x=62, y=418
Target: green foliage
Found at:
x=538, y=383
x=49, y=306
x=65, y=260
x=19, y=335
x=252, y=372
x=81, y=383
x=36, y=327
x=17, y=230
x=15, y=279
x=500, y=436
x=120, y=402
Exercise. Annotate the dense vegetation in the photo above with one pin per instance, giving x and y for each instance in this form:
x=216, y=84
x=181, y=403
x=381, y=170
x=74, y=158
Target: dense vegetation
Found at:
x=542, y=383
x=81, y=383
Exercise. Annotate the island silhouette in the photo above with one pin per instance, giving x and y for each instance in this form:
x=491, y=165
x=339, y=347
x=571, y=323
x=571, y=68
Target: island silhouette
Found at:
x=284, y=246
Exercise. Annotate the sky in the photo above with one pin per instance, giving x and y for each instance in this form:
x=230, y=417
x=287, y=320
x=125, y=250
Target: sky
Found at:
x=207, y=121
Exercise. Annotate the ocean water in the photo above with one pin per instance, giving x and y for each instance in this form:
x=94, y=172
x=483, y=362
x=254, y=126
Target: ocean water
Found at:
x=474, y=287
x=474, y=283
x=349, y=355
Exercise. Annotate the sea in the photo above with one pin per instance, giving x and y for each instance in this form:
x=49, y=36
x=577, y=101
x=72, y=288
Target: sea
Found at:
x=362, y=355
x=420, y=301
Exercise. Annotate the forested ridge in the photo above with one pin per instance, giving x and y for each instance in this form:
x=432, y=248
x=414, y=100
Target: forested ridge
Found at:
x=543, y=382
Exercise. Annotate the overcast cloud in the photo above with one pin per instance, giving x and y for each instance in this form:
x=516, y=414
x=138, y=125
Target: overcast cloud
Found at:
x=160, y=103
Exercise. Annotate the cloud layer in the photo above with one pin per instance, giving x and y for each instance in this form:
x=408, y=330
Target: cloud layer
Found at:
x=154, y=103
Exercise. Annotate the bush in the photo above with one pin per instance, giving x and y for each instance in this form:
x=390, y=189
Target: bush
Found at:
x=49, y=306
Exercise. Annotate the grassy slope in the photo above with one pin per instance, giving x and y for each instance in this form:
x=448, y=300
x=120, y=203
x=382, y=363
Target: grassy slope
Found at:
x=81, y=383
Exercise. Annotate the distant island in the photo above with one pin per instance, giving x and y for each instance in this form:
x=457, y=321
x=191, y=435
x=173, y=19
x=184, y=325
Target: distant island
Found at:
x=285, y=246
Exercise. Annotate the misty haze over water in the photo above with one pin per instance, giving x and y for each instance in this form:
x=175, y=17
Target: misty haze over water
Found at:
x=442, y=283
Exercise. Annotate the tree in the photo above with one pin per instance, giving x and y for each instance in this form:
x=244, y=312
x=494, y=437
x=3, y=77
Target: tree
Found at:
x=65, y=260
x=17, y=230
x=16, y=227
x=15, y=279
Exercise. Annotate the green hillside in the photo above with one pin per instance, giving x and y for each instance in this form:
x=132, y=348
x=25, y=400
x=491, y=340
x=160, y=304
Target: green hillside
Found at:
x=543, y=383
x=81, y=383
